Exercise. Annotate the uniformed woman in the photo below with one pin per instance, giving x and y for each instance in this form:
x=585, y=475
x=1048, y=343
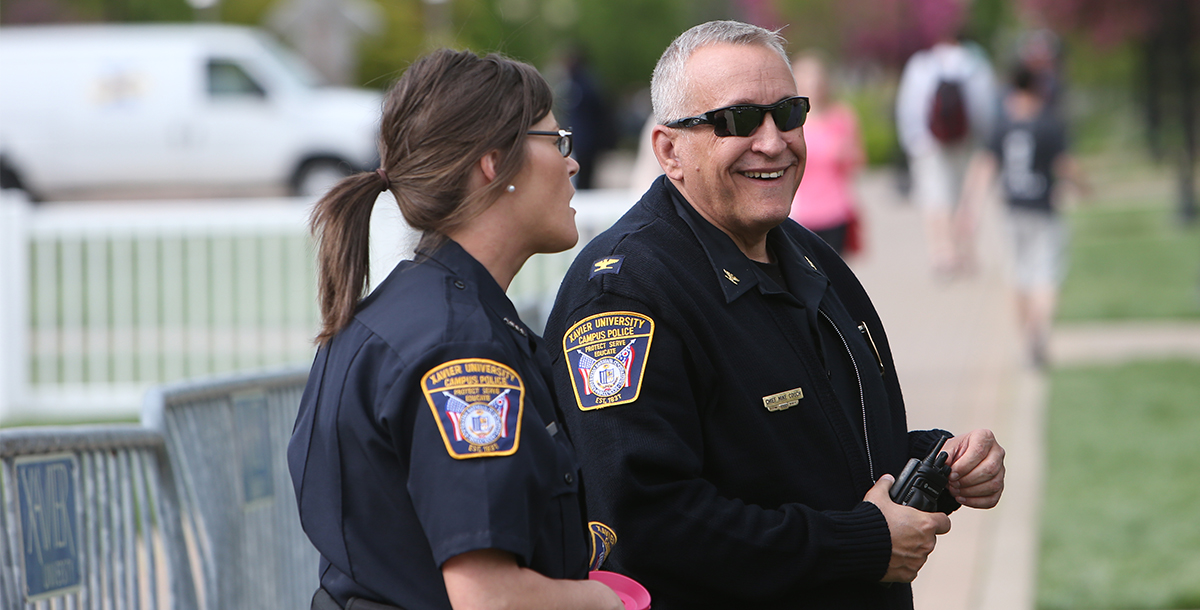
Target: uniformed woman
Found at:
x=429, y=458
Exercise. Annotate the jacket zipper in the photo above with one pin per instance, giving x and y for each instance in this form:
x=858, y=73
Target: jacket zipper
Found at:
x=862, y=400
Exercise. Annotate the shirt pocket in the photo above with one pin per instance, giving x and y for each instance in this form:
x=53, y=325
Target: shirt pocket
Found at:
x=563, y=531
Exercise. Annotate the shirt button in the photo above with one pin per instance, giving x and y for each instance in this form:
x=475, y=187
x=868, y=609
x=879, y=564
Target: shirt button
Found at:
x=460, y=285
x=569, y=478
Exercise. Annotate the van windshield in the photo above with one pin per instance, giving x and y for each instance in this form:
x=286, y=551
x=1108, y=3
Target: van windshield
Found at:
x=291, y=63
x=227, y=80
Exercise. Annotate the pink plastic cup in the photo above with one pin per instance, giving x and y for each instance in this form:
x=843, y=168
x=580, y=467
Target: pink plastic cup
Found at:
x=631, y=592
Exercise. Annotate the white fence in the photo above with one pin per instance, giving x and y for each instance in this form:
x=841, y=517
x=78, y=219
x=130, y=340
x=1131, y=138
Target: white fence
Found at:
x=100, y=300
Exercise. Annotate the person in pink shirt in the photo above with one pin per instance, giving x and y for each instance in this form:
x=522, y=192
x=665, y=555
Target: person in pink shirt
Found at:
x=825, y=201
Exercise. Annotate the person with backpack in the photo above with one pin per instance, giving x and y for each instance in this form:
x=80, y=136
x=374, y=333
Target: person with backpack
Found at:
x=1027, y=154
x=945, y=106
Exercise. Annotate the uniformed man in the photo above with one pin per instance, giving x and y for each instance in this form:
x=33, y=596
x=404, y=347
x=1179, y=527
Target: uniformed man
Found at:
x=733, y=396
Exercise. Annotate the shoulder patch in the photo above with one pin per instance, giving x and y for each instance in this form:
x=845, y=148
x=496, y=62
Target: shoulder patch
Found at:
x=608, y=264
x=477, y=404
x=603, y=541
x=606, y=357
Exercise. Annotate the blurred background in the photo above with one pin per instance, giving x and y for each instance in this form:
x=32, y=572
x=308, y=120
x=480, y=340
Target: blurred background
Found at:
x=1128, y=67
x=158, y=158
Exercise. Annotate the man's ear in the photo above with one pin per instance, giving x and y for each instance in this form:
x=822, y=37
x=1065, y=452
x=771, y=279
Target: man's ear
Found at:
x=663, y=142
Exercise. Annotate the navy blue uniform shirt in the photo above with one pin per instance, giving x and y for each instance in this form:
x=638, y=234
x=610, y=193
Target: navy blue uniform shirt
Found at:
x=428, y=429
x=729, y=426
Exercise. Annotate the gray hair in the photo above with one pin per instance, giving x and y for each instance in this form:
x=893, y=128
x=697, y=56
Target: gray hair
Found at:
x=668, y=89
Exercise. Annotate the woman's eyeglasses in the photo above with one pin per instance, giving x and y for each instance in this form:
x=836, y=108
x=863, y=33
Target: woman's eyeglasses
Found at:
x=743, y=119
x=563, y=142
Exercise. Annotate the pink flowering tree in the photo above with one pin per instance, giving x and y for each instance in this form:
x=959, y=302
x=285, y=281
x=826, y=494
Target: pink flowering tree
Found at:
x=1166, y=32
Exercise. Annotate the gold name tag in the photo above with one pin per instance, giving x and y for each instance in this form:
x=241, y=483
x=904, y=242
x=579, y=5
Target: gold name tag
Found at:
x=783, y=400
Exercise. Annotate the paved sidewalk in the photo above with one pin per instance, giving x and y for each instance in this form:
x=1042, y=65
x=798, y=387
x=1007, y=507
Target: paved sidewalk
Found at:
x=1106, y=343
x=961, y=367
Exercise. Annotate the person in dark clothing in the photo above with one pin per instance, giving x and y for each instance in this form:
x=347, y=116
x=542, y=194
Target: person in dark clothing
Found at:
x=430, y=462
x=1029, y=152
x=735, y=404
x=588, y=116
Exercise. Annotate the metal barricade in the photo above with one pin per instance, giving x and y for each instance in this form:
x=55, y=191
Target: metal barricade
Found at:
x=227, y=441
x=89, y=519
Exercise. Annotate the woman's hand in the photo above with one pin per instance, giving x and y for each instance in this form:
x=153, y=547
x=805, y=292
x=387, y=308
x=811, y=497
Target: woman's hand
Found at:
x=490, y=579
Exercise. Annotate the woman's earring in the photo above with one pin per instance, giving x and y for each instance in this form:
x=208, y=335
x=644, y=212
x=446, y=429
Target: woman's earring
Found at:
x=511, y=189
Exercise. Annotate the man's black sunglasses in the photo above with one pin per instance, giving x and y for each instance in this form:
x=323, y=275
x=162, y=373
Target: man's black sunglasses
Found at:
x=743, y=119
x=563, y=142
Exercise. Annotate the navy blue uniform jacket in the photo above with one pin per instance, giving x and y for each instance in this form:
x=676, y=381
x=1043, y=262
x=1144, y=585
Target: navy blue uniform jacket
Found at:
x=428, y=429
x=733, y=467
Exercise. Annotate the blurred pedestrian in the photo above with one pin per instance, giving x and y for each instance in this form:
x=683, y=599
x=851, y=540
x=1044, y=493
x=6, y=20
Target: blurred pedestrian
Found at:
x=1029, y=152
x=1041, y=52
x=588, y=116
x=945, y=107
x=825, y=200
x=429, y=458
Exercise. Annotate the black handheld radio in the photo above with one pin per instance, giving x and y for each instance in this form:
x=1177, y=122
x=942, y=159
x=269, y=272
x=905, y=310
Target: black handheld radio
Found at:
x=922, y=481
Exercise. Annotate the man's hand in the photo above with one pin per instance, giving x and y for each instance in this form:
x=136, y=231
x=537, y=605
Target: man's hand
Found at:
x=914, y=533
x=976, y=469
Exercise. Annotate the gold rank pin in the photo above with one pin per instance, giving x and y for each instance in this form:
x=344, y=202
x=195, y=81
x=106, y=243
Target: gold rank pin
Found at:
x=607, y=264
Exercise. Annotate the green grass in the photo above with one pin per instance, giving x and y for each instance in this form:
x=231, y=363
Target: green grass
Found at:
x=1121, y=521
x=1131, y=258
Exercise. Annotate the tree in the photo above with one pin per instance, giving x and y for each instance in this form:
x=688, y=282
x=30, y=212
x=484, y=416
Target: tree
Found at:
x=888, y=32
x=1165, y=31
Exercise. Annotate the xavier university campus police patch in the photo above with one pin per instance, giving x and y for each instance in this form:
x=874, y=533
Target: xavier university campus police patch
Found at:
x=477, y=404
x=603, y=541
x=606, y=356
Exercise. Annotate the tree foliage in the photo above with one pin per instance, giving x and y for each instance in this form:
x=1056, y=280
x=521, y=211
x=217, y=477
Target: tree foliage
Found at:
x=622, y=38
x=1106, y=22
x=1164, y=34
x=887, y=32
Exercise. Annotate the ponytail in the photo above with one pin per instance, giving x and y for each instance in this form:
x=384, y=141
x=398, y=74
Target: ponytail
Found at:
x=448, y=110
x=341, y=223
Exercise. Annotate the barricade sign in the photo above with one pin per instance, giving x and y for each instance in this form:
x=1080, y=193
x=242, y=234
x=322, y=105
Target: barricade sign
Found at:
x=48, y=515
x=254, y=441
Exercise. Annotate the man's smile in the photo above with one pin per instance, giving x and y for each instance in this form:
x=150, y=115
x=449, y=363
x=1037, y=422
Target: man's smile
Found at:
x=764, y=175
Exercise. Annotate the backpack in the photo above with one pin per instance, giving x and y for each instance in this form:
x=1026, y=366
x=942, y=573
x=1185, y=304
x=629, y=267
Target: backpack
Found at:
x=948, y=113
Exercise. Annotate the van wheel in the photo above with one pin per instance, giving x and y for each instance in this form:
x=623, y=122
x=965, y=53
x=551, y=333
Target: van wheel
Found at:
x=316, y=176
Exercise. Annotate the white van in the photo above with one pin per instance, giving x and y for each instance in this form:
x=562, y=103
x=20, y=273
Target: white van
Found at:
x=172, y=108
